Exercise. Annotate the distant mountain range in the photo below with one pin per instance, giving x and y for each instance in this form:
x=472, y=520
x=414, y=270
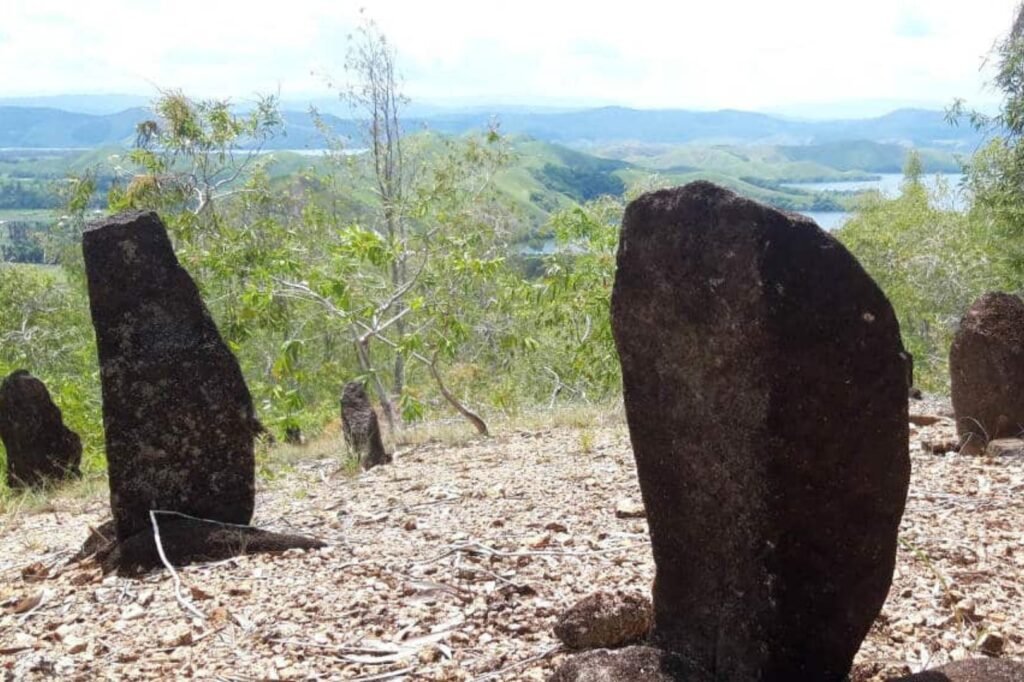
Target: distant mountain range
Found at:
x=49, y=127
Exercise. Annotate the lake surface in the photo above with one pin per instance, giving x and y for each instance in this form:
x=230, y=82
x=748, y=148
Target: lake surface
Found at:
x=890, y=185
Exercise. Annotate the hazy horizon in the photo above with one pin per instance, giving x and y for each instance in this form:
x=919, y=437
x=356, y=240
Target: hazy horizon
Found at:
x=793, y=58
x=112, y=103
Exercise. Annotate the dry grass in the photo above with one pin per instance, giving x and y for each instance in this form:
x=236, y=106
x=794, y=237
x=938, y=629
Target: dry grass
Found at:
x=69, y=496
x=278, y=461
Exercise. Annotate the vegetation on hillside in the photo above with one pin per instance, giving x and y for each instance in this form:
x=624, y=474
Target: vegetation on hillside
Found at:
x=403, y=265
x=933, y=263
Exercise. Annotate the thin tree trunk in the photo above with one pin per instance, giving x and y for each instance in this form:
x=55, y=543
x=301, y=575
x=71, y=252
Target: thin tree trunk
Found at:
x=363, y=353
x=475, y=419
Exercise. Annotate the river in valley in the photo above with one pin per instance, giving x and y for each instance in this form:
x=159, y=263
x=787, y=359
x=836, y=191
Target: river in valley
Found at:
x=947, y=185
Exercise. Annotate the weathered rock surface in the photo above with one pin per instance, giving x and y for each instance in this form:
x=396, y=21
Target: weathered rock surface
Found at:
x=766, y=395
x=986, y=367
x=632, y=664
x=40, y=448
x=627, y=508
x=1005, y=447
x=178, y=416
x=605, y=620
x=360, y=426
x=974, y=670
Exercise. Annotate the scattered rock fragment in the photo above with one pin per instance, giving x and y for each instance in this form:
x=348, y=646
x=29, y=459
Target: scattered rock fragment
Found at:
x=175, y=636
x=939, y=443
x=986, y=365
x=766, y=395
x=361, y=427
x=924, y=419
x=973, y=670
x=75, y=645
x=1005, y=447
x=40, y=448
x=992, y=644
x=631, y=664
x=605, y=620
x=627, y=508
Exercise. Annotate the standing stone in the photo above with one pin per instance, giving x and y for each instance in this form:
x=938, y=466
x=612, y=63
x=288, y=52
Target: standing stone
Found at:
x=766, y=394
x=360, y=426
x=986, y=366
x=178, y=416
x=39, y=447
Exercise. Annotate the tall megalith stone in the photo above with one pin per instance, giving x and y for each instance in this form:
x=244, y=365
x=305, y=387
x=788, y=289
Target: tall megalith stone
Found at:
x=178, y=417
x=177, y=414
x=40, y=448
x=986, y=367
x=766, y=390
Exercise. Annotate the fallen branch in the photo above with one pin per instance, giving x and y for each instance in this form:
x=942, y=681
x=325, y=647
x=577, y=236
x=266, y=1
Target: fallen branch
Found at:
x=384, y=676
x=185, y=604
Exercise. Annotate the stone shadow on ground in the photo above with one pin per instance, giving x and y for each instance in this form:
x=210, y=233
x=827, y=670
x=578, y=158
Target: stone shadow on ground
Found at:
x=184, y=541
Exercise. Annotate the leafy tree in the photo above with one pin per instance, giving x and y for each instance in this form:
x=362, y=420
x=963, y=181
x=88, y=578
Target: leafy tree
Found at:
x=573, y=302
x=406, y=278
x=45, y=328
x=995, y=174
x=931, y=263
x=21, y=245
x=451, y=252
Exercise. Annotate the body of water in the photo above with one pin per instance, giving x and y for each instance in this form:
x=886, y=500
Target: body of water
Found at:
x=890, y=185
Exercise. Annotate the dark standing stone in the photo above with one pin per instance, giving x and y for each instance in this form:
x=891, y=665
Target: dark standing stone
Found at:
x=360, y=426
x=39, y=447
x=293, y=436
x=766, y=395
x=986, y=366
x=178, y=416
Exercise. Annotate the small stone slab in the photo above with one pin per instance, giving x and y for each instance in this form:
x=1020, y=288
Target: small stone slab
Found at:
x=627, y=508
x=974, y=670
x=605, y=620
x=632, y=664
x=1005, y=447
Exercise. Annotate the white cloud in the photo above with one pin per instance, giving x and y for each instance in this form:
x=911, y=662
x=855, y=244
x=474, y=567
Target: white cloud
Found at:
x=732, y=53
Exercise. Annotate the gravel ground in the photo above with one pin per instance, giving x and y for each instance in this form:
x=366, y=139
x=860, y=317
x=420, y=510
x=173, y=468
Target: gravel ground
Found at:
x=454, y=563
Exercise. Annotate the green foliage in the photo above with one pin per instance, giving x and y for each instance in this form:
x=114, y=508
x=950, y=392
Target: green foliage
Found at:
x=572, y=303
x=582, y=184
x=995, y=174
x=45, y=329
x=931, y=264
x=20, y=244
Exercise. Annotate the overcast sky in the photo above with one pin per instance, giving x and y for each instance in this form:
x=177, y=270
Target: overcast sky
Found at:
x=747, y=54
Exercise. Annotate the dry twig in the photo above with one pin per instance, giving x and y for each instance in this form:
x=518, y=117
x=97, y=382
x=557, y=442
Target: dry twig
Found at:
x=185, y=603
